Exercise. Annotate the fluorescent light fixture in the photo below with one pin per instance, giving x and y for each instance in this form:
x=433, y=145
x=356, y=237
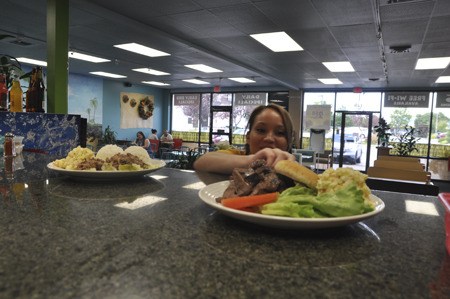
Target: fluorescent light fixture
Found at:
x=432, y=63
x=143, y=50
x=242, y=80
x=109, y=75
x=443, y=79
x=330, y=81
x=203, y=68
x=277, y=41
x=32, y=61
x=339, y=66
x=150, y=71
x=196, y=81
x=155, y=83
x=85, y=57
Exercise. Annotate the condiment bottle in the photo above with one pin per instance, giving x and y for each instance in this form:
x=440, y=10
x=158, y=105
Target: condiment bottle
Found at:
x=8, y=145
x=15, y=97
x=3, y=93
x=31, y=93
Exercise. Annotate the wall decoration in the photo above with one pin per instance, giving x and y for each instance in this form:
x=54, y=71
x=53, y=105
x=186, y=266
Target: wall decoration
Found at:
x=136, y=110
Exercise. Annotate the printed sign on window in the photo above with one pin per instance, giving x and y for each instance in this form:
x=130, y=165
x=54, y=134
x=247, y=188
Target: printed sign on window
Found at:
x=443, y=100
x=406, y=99
x=186, y=99
x=318, y=117
x=250, y=99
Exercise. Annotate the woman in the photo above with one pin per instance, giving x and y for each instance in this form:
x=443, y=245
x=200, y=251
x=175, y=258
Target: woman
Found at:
x=143, y=142
x=269, y=137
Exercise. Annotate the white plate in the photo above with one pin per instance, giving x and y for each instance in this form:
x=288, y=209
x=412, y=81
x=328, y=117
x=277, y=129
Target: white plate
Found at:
x=209, y=194
x=105, y=175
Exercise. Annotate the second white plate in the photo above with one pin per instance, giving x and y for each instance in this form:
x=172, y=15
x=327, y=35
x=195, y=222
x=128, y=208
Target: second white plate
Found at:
x=209, y=194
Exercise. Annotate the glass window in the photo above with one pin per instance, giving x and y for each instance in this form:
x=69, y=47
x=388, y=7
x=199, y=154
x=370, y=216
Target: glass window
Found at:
x=365, y=101
x=222, y=99
x=317, y=98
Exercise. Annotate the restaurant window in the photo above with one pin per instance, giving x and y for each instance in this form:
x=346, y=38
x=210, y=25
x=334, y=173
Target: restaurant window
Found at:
x=186, y=117
x=403, y=110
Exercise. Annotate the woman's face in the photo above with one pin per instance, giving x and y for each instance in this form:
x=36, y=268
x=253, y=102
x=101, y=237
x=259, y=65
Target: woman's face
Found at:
x=139, y=136
x=268, y=131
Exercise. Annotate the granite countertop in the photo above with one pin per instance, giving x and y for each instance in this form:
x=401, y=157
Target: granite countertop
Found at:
x=152, y=237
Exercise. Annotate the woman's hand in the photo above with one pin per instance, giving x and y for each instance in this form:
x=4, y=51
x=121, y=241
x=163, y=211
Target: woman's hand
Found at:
x=272, y=156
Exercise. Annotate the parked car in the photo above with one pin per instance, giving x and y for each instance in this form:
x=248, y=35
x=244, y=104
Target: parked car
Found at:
x=352, y=148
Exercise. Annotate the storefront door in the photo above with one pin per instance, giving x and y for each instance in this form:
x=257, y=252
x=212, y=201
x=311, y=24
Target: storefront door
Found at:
x=352, y=139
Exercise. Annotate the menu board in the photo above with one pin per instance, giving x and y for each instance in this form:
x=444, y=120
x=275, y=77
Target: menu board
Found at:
x=318, y=117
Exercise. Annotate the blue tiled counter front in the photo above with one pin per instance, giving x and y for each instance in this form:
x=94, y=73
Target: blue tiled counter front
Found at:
x=56, y=134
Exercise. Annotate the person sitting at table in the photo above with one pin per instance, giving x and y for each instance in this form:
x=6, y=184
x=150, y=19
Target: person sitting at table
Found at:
x=166, y=139
x=153, y=135
x=269, y=136
x=143, y=142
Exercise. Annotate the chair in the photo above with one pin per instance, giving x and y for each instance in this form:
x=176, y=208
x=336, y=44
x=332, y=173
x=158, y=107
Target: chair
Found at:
x=324, y=161
x=309, y=157
x=154, y=144
x=177, y=143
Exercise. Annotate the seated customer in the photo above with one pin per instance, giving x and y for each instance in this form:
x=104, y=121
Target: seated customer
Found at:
x=143, y=142
x=269, y=137
x=166, y=139
x=153, y=135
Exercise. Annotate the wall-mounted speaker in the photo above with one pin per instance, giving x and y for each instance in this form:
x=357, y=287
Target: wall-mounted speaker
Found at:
x=127, y=84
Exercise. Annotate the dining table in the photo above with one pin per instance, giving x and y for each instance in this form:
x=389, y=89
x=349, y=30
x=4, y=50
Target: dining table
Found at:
x=153, y=236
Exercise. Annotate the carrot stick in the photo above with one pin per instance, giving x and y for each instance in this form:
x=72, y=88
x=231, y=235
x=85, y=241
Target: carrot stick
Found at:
x=249, y=201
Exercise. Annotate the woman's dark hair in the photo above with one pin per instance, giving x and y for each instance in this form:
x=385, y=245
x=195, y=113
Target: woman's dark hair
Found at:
x=154, y=131
x=287, y=122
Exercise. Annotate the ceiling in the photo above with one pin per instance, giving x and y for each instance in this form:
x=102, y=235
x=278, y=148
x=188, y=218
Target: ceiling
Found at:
x=216, y=33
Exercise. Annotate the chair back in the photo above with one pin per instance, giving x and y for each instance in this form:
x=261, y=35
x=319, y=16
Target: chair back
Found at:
x=154, y=145
x=177, y=143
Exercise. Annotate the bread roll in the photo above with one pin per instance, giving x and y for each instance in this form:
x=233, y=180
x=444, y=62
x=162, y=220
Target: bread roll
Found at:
x=297, y=172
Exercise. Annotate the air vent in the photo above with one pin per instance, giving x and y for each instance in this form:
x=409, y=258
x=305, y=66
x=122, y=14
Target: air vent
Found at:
x=374, y=79
x=403, y=1
x=400, y=49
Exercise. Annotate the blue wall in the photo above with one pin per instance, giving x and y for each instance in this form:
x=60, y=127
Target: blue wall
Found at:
x=111, y=108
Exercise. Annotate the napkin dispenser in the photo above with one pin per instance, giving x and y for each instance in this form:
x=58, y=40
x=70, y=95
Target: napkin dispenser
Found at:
x=445, y=199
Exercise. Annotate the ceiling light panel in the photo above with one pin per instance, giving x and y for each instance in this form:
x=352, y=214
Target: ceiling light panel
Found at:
x=203, y=68
x=156, y=83
x=86, y=57
x=242, y=80
x=195, y=81
x=339, y=66
x=151, y=72
x=443, y=79
x=277, y=41
x=332, y=81
x=143, y=50
x=432, y=63
x=31, y=61
x=109, y=75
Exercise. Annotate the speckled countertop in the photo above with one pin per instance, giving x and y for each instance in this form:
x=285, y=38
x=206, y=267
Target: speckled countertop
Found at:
x=153, y=237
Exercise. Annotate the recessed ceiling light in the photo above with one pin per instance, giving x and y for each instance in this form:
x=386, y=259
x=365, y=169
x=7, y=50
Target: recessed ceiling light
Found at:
x=151, y=72
x=277, y=41
x=196, y=81
x=85, y=57
x=143, y=50
x=32, y=61
x=109, y=75
x=432, y=63
x=443, y=79
x=330, y=81
x=339, y=66
x=155, y=83
x=242, y=80
x=203, y=68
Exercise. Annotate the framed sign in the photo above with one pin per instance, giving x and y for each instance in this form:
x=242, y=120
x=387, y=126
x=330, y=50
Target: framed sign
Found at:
x=318, y=117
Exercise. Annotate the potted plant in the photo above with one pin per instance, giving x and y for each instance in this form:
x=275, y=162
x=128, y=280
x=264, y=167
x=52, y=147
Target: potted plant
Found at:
x=406, y=142
x=109, y=136
x=383, y=135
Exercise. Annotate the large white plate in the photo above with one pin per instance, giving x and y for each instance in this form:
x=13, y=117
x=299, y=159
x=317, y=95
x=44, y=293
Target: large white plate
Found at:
x=209, y=194
x=105, y=175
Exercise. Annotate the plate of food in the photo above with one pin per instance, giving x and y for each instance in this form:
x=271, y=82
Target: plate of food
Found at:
x=327, y=204
x=109, y=163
